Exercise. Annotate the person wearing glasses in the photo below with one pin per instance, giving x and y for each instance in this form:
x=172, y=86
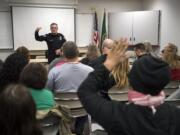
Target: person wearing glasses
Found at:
x=53, y=39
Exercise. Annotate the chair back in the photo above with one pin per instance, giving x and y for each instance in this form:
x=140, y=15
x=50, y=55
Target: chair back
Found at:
x=175, y=102
x=171, y=87
x=119, y=94
x=71, y=100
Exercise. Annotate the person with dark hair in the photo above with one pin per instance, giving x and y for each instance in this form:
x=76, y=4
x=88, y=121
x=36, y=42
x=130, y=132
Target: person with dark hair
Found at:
x=18, y=112
x=140, y=49
x=11, y=69
x=24, y=51
x=1, y=64
x=145, y=113
x=92, y=54
x=68, y=77
x=34, y=76
x=54, y=41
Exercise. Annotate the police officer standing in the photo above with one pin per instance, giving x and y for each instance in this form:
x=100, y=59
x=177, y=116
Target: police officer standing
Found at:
x=54, y=41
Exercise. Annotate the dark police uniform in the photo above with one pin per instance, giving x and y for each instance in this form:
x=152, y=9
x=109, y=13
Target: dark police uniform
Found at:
x=54, y=42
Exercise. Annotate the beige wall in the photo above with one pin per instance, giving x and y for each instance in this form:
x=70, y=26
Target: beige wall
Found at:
x=170, y=19
x=110, y=5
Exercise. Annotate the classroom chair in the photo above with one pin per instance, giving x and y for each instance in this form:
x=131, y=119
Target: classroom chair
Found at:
x=50, y=125
x=71, y=101
x=171, y=87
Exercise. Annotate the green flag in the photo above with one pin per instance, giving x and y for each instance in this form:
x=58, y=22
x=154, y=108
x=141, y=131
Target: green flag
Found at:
x=103, y=32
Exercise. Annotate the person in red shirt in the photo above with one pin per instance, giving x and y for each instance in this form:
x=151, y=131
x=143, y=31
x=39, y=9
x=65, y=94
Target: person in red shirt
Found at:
x=169, y=55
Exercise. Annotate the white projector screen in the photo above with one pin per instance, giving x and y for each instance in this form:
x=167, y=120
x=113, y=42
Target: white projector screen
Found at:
x=26, y=19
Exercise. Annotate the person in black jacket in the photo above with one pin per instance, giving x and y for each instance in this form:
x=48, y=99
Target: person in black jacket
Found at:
x=54, y=41
x=140, y=50
x=145, y=113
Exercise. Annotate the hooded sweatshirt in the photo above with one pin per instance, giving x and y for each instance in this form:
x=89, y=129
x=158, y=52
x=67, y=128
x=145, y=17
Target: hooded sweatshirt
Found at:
x=119, y=118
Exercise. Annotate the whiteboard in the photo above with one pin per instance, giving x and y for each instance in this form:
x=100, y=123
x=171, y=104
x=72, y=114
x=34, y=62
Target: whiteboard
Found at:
x=6, y=40
x=84, y=29
x=26, y=19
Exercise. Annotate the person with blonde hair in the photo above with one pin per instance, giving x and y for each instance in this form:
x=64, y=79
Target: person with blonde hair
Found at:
x=169, y=55
x=120, y=74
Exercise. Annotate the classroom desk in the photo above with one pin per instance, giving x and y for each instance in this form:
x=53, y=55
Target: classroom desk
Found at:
x=38, y=61
x=43, y=60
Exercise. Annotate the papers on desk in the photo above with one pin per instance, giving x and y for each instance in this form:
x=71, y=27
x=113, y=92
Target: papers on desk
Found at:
x=38, y=60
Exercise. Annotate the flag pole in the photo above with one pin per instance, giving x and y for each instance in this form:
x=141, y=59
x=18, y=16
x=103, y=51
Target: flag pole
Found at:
x=103, y=32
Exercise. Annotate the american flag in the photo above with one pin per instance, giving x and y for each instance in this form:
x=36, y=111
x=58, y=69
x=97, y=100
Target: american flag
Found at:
x=96, y=32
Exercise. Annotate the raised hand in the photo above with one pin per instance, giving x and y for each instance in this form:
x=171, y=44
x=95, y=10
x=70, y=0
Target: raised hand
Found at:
x=38, y=28
x=117, y=54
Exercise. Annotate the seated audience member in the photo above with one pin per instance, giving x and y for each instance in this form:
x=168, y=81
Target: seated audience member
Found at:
x=140, y=50
x=18, y=112
x=148, y=48
x=68, y=77
x=106, y=47
x=118, y=76
x=12, y=67
x=34, y=76
x=92, y=53
x=24, y=51
x=170, y=56
x=146, y=113
x=120, y=79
